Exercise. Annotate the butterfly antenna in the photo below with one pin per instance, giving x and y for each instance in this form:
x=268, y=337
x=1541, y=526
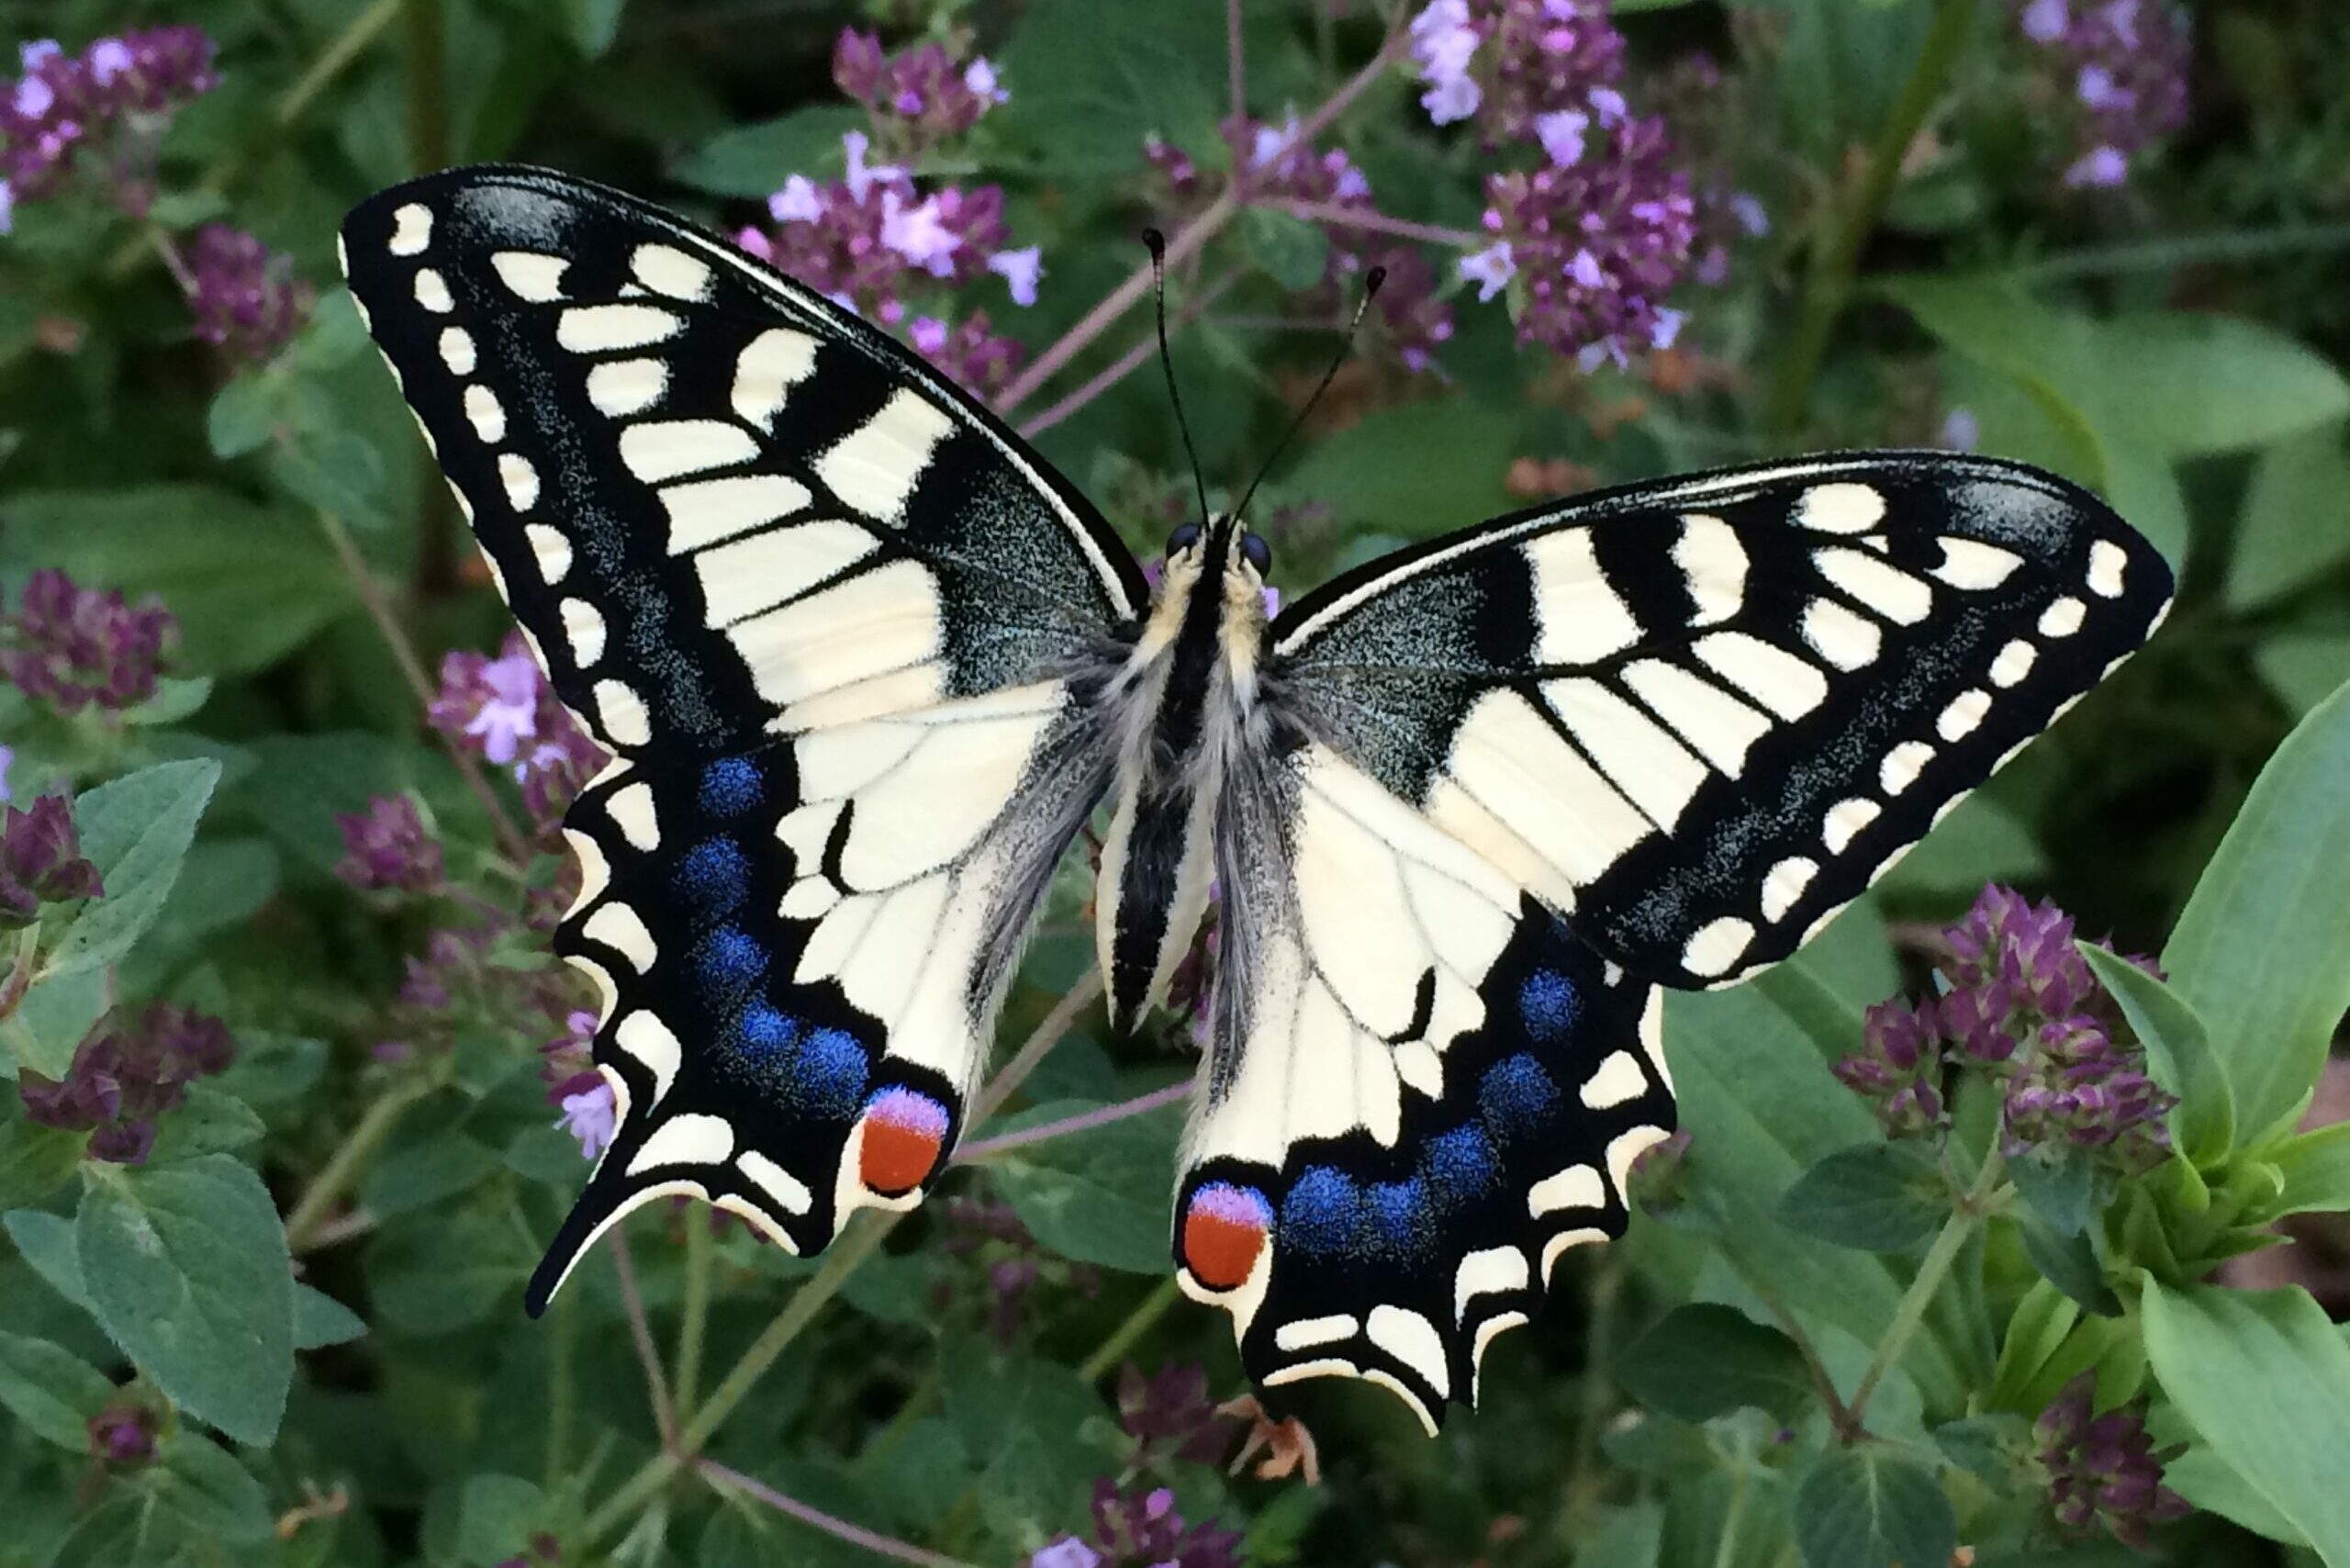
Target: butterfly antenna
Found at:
x=1370, y=284
x=1157, y=244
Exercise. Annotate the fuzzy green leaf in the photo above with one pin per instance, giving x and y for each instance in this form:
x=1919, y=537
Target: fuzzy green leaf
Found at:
x=2178, y=1046
x=136, y=830
x=187, y=1268
x=1867, y=1507
x=2265, y=1378
x=1879, y=1197
x=52, y=1391
x=2262, y=950
x=1699, y=1362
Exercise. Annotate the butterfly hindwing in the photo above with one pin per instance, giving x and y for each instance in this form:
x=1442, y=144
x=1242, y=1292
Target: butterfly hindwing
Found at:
x=1421, y=1092
x=1699, y=717
x=842, y=630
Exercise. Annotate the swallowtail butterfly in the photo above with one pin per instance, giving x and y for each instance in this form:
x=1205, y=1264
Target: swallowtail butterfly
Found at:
x=868, y=665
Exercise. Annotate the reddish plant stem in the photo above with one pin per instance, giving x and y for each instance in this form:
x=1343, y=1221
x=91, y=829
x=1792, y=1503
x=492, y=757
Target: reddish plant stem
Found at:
x=1173, y=1094
x=1127, y=364
x=640, y=1330
x=1375, y=222
x=816, y=1519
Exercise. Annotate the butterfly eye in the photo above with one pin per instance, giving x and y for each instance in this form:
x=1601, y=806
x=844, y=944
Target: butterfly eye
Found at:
x=1259, y=552
x=1184, y=538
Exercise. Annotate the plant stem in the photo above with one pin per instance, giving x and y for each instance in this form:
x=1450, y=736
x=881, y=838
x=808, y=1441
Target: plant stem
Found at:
x=696, y=1316
x=1236, y=62
x=310, y=1210
x=1033, y=1050
x=335, y=58
x=1978, y=1201
x=816, y=1519
x=1375, y=222
x=563, y=1333
x=1187, y=240
x=639, y=1332
x=1829, y=286
x=855, y=1243
x=1127, y=364
x=1142, y=1104
x=404, y=655
x=1136, y=1324
x=2186, y=250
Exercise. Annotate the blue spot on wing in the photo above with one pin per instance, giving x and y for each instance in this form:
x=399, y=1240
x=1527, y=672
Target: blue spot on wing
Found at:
x=1460, y=1164
x=732, y=786
x=1516, y=1095
x=730, y=961
x=766, y=1032
x=829, y=1078
x=1323, y=1211
x=716, y=875
x=1400, y=1218
x=1548, y=1005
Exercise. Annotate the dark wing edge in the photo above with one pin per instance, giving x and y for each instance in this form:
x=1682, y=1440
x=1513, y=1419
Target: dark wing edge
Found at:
x=1700, y=717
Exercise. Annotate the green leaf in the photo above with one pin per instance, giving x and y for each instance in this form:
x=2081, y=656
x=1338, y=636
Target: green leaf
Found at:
x=54, y=1018
x=1697, y=1362
x=438, y=1270
x=137, y=831
x=187, y=1270
x=243, y=415
x=1980, y=841
x=1293, y=252
x=2295, y=526
x=496, y=1517
x=35, y=1162
x=218, y=1498
x=176, y=700
x=1632, y=1536
x=1417, y=470
x=211, y=1122
x=1026, y=1417
x=2059, y=1189
x=1867, y=1507
x=46, y=1241
x=2069, y=1260
x=439, y=1165
x=319, y=1319
x=2303, y=668
x=2262, y=950
x=1090, y=82
x=1879, y=1197
x=1986, y=1447
x=246, y=583
x=1098, y=1197
x=2190, y=383
x=2315, y=1172
x=52, y=1391
x=2207, y=1481
x=593, y=24
x=2178, y=1049
x=2265, y=1378
x=2039, y=1323
x=336, y=471
x=753, y=161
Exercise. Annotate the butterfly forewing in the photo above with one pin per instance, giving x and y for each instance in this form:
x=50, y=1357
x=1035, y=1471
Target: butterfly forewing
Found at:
x=844, y=633
x=1699, y=717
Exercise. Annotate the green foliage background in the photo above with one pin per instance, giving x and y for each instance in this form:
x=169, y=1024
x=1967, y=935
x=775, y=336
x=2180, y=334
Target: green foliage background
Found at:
x=371, y=1383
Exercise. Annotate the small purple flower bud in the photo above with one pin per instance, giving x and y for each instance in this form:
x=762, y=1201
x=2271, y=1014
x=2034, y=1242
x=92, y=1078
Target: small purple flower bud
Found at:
x=41, y=861
x=387, y=848
x=1067, y=1552
x=127, y=1072
x=2102, y=168
x=1171, y=1410
x=1561, y=135
x=1962, y=431
x=1899, y=1067
x=1490, y=269
x=797, y=202
x=122, y=1435
x=2044, y=21
x=2103, y=1470
x=492, y=703
x=1020, y=270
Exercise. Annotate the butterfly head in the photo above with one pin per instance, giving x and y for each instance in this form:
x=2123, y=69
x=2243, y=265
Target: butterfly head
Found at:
x=1222, y=547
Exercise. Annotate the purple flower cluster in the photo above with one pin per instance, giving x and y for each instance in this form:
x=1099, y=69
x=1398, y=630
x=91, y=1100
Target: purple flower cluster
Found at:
x=919, y=96
x=1141, y=1529
x=111, y=99
x=243, y=294
x=74, y=647
x=971, y=353
x=387, y=848
x=504, y=710
x=2121, y=68
x=2104, y=1469
x=41, y=861
x=2022, y=1007
x=1169, y=1415
x=590, y=1113
x=1599, y=234
x=125, y=1075
x=1279, y=166
x=991, y=1230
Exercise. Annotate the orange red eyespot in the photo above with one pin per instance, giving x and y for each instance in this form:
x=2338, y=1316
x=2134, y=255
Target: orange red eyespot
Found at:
x=904, y=1133
x=1224, y=1230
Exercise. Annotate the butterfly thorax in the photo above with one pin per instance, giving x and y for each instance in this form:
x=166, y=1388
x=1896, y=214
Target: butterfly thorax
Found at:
x=1189, y=691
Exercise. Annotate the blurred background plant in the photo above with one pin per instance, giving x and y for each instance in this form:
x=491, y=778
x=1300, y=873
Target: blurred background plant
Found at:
x=1969, y=1252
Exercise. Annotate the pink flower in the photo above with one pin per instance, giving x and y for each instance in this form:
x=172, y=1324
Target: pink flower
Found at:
x=1020, y=269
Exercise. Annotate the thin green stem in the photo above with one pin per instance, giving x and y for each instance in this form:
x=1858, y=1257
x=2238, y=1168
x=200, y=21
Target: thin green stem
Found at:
x=1829, y=287
x=346, y=46
x=562, y=1396
x=2185, y=251
x=696, y=1316
x=1978, y=1201
x=1734, y=1520
x=1125, y=1336
x=343, y=1166
x=640, y=1333
x=1822, y=1384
